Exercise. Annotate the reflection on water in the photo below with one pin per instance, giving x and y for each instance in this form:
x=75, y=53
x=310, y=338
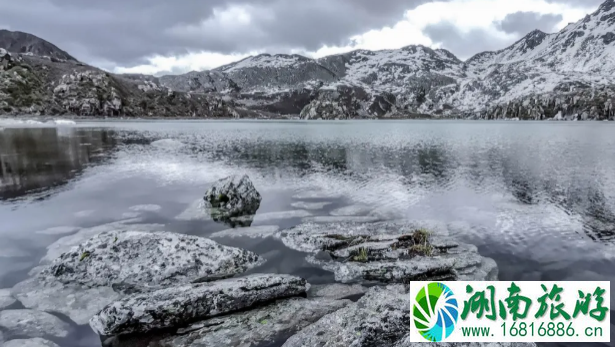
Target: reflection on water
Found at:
x=37, y=159
x=538, y=198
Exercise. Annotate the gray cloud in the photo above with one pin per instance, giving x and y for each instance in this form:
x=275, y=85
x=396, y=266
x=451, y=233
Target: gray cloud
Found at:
x=464, y=44
x=524, y=22
x=585, y=4
x=125, y=32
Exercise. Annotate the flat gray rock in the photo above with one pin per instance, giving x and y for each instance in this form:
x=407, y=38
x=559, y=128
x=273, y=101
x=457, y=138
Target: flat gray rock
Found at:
x=387, y=252
x=182, y=305
x=380, y=318
x=6, y=299
x=35, y=342
x=77, y=302
x=261, y=231
x=136, y=260
x=65, y=243
x=337, y=291
x=234, y=196
x=256, y=327
x=310, y=205
x=32, y=323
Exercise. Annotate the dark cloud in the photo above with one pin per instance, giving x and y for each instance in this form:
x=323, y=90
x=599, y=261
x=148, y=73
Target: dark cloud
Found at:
x=124, y=32
x=524, y=22
x=464, y=44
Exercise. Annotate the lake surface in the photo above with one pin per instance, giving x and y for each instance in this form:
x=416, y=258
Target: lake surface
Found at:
x=539, y=198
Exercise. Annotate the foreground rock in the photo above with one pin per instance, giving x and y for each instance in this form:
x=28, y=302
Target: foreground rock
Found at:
x=388, y=252
x=35, y=342
x=233, y=196
x=380, y=318
x=136, y=261
x=32, y=323
x=83, y=280
x=182, y=305
x=258, y=327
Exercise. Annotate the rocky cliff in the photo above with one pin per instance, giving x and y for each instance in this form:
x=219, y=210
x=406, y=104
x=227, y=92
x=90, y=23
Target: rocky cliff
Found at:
x=562, y=76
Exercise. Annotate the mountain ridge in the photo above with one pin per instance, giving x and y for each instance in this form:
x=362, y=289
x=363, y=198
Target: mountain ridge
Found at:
x=562, y=75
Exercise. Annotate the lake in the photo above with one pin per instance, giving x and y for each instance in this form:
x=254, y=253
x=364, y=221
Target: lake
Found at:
x=539, y=198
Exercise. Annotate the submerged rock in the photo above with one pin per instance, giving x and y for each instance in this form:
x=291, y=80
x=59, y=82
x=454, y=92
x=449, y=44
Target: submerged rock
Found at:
x=58, y=230
x=135, y=261
x=35, y=342
x=310, y=205
x=257, y=327
x=6, y=299
x=353, y=210
x=269, y=216
x=32, y=323
x=251, y=232
x=77, y=302
x=182, y=305
x=233, y=196
x=388, y=252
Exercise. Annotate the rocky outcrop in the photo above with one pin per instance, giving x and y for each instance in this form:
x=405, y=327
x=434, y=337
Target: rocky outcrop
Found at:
x=260, y=326
x=24, y=43
x=388, y=252
x=182, y=305
x=131, y=261
x=380, y=318
x=100, y=265
x=232, y=197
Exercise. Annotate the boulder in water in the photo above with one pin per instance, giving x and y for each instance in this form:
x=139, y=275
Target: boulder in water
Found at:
x=136, y=261
x=233, y=196
x=261, y=326
x=179, y=306
x=388, y=252
x=380, y=318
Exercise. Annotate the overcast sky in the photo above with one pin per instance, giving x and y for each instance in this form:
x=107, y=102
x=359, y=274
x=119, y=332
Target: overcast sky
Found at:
x=176, y=36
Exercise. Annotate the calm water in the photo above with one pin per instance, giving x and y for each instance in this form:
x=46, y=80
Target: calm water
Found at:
x=539, y=198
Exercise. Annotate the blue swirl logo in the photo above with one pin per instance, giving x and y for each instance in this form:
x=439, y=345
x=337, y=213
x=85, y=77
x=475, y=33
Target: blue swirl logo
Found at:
x=435, y=312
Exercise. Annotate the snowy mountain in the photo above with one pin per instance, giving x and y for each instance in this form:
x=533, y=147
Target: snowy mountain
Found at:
x=563, y=75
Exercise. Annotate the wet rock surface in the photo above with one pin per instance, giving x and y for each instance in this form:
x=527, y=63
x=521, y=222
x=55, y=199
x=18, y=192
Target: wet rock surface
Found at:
x=32, y=323
x=258, y=327
x=182, y=305
x=135, y=261
x=233, y=196
x=387, y=252
x=77, y=302
x=380, y=318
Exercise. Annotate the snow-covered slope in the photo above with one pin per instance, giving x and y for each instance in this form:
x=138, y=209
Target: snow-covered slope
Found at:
x=568, y=74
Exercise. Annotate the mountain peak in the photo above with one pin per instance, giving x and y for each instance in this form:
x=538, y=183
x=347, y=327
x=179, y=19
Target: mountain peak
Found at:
x=20, y=42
